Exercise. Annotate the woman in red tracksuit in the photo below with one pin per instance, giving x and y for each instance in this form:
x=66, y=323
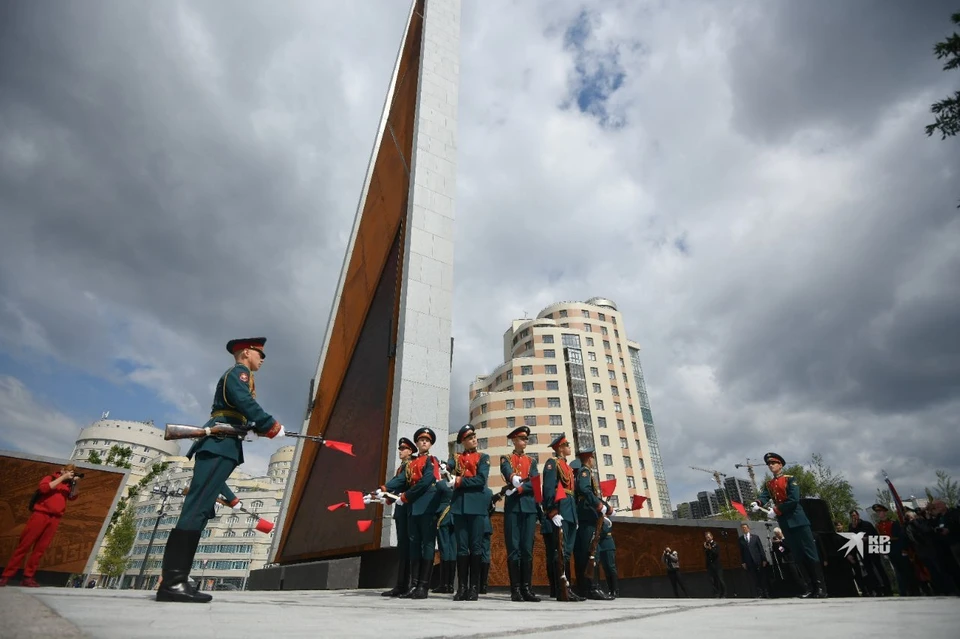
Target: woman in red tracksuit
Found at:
x=42, y=525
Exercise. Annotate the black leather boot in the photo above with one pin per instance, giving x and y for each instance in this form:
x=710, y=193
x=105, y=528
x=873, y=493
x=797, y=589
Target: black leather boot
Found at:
x=552, y=578
x=571, y=593
x=613, y=585
x=451, y=573
x=441, y=585
x=423, y=588
x=472, y=592
x=816, y=576
x=177, y=561
x=413, y=566
x=463, y=576
x=403, y=580
x=484, y=575
x=513, y=568
x=526, y=577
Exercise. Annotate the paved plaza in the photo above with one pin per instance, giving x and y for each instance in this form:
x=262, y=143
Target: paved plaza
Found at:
x=68, y=613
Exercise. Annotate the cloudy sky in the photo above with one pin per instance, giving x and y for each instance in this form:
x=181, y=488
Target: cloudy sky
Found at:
x=750, y=182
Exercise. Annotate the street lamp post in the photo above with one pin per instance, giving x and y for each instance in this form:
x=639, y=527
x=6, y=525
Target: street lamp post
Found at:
x=165, y=493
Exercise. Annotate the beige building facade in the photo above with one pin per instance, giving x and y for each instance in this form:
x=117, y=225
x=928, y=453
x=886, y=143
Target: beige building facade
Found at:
x=571, y=370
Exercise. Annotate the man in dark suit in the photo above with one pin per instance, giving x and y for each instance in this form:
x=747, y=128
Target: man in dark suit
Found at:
x=754, y=559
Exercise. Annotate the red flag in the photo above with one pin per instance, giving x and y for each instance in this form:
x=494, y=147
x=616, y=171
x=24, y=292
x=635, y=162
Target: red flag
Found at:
x=637, y=502
x=607, y=487
x=264, y=526
x=343, y=447
x=333, y=507
x=537, y=489
x=901, y=512
x=364, y=525
x=355, y=499
x=739, y=507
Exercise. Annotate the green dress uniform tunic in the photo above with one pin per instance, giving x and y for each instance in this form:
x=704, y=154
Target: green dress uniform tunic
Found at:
x=589, y=509
x=470, y=505
x=519, y=521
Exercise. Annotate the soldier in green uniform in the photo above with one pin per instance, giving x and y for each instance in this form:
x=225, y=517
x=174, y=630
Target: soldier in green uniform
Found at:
x=560, y=511
x=401, y=519
x=519, y=515
x=785, y=493
x=446, y=541
x=235, y=403
x=487, y=534
x=419, y=495
x=471, y=502
x=607, y=558
x=590, y=513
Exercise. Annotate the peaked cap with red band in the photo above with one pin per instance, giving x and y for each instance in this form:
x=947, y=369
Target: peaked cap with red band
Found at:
x=234, y=346
x=558, y=442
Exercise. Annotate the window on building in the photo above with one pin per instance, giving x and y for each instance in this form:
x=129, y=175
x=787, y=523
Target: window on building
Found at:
x=585, y=314
x=631, y=408
x=614, y=391
x=548, y=339
x=608, y=460
x=641, y=465
x=591, y=356
x=637, y=442
x=570, y=340
x=635, y=427
x=553, y=402
x=532, y=439
x=510, y=404
x=529, y=402
x=482, y=443
x=483, y=424
x=553, y=384
x=556, y=420
x=610, y=476
x=529, y=420
x=626, y=462
x=604, y=440
x=594, y=371
x=606, y=344
x=511, y=422
x=536, y=457
x=609, y=361
x=614, y=502
x=596, y=388
x=617, y=408
x=527, y=386
x=627, y=391
x=598, y=403
x=589, y=341
x=621, y=425
x=616, y=333
x=553, y=436
x=588, y=328
x=612, y=376
x=601, y=422
x=526, y=370
x=549, y=352
x=483, y=408
x=645, y=484
x=602, y=317
x=563, y=313
x=550, y=369
x=603, y=330
x=623, y=442
x=631, y=482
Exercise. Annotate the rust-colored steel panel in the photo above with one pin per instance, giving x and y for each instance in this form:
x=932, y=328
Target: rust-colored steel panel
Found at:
x=364, y=327
x=81, y=525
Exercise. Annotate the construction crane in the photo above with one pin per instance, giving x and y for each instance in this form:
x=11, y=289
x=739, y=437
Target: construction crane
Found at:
x=716, y=476
x=749, y=466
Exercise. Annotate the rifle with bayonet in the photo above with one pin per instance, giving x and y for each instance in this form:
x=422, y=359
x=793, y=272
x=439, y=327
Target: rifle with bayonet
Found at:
x=184, y=431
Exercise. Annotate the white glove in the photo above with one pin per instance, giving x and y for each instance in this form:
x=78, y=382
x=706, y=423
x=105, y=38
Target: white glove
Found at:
x=755, y=507
x=452, y=482
x=369, y=499
x=771, y=514
x=238, y=506
x=557, y=521
x=609, y=510
x=443, y=467
x=378, y=493
x=399, y=500
x=516, y=481
x=510, y=492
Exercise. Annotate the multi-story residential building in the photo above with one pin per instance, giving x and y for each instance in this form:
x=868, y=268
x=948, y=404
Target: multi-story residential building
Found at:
x=572, y=370
x=230, y=546
x=144, y=440
x=739, y=490
x=709, y=504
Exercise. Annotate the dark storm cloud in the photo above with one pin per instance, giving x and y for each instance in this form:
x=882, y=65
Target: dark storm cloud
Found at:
x=841, y=64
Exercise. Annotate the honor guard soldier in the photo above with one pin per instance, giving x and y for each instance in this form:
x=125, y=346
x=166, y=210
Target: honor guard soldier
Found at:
x=234, y=403
x=591, y=512
x=470, y=470
x=419, y=495
x=558, y=504
x=607, y=558
x=519, y=515
x=487, y=536
x=446, y=540
x=401, y=518
x=785, y=493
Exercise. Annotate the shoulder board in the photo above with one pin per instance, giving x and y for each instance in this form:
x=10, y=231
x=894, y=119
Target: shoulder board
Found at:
x=549, y=462
x=584, y=472
x=504, y=458
x=787, y=476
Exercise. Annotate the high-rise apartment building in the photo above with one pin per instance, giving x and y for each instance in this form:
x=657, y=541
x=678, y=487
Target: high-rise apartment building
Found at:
x=572, y=370
x=739, y=490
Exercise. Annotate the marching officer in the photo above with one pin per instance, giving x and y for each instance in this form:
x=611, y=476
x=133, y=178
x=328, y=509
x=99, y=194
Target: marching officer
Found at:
x=519, y=515
x=785, y=492
x=234, y=403
x=420, y=495
x=607, y=558
x=401, y=518
x=471, y=501
x=446, y=540
x=590, y=514
x=560, y=510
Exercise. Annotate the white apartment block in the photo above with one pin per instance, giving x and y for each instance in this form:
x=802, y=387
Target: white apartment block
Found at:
x=572, y=370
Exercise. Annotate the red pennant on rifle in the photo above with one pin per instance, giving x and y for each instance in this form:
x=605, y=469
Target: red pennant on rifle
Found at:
x=739, y=507
x=333, y=507
x=607, y=487
x=355, y=499
x=637, y=502
x=537, y=489
x=264, y=526
x=343, y=447
x=364, y=525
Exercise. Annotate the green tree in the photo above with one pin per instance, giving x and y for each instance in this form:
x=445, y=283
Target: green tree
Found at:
x=115, y=558
x=947, y=111
x=94, y=458
x=947, y=489
x=119, y=456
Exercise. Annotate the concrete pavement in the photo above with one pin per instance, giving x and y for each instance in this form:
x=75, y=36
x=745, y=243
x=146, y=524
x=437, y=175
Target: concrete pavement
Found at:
x=69, y=613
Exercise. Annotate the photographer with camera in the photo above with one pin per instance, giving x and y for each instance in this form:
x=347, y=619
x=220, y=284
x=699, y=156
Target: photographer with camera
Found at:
x=48, y=505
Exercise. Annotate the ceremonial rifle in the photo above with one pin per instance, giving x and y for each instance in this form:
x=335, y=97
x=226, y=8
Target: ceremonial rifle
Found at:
x=563, y=584
x=184, y=431
x=592, y=560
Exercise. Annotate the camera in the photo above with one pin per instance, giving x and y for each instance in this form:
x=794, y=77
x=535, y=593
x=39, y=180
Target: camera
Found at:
x=78, y=475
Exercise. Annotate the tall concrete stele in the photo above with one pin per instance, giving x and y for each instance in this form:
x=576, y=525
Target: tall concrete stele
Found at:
x=384, y=369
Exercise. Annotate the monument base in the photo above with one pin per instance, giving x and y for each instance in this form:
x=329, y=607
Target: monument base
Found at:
x=375, y=569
